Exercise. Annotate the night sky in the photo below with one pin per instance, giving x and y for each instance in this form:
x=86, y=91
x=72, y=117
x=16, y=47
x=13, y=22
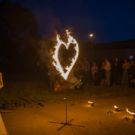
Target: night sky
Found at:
x=109, y=20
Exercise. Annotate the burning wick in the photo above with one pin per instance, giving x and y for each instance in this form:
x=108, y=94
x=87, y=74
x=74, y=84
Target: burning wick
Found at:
x=131, y=113
x=91, y=104
x=116, y=108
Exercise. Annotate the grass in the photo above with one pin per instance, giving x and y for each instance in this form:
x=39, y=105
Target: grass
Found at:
x=21, y=93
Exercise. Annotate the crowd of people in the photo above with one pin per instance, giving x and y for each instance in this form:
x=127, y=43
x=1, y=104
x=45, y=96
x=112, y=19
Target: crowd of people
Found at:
x=99, y=73
x=107, y=72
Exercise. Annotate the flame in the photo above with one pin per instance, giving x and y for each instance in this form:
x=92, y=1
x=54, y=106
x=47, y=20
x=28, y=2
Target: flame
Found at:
x=115, y=107
x=56, y=61
x=131, y=113
x=90, y=102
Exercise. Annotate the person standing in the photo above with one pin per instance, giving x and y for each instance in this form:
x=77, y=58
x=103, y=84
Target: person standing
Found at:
x=102, y=73
x=125, y=68
x=1, y=81
x=94, y=73
x=116, y=72
x=107, y=68
x=86, y=70
x=131, y=73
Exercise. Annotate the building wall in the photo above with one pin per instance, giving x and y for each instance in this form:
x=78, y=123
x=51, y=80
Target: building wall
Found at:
x=111, y=53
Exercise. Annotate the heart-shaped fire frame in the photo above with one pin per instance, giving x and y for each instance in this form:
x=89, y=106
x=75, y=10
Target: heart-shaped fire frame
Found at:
x=56, y=61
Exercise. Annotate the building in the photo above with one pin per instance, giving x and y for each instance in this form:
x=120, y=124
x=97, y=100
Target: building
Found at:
x=120, y=49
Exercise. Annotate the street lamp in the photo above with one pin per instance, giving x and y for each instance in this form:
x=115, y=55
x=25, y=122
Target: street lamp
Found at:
x=91, y=35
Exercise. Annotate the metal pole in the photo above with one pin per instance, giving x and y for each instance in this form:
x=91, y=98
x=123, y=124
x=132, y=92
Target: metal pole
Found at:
x=67, y=122
x=66, y=109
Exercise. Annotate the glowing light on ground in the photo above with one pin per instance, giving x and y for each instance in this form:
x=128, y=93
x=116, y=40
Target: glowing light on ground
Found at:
x=91, y=103
x=56, y=61
x=116, y=108
x=129, y=112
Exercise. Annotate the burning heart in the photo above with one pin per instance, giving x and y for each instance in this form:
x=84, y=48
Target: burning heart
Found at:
x=56, y=61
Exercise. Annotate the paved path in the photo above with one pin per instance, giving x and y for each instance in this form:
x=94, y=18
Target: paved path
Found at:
x=3, y=130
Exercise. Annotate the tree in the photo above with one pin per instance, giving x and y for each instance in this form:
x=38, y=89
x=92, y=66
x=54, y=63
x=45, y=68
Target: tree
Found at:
x=18, y=36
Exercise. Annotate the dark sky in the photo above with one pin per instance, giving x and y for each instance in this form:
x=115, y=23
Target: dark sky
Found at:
x=109, y=20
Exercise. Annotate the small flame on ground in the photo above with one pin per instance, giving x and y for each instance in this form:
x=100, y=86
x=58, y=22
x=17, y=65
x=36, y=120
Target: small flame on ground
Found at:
x=115, y=107
x=90, y=102
x=129, y=112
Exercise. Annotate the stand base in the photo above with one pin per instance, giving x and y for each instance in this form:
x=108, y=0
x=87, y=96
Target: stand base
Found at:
x=67, y=123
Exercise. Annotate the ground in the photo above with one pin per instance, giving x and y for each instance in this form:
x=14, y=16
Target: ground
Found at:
x=35, y=107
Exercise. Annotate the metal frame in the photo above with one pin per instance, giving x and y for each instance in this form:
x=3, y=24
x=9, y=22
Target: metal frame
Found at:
x=67, y=122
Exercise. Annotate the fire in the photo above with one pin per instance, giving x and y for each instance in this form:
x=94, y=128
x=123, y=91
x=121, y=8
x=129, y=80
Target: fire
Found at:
x=56, y=61
x=116, y=108
x=90, y=103
x=131, y=113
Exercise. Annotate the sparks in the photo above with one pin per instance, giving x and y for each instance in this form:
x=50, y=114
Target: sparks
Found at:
x=56, y=61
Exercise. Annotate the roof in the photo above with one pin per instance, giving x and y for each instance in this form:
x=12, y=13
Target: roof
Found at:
x=128, y=44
